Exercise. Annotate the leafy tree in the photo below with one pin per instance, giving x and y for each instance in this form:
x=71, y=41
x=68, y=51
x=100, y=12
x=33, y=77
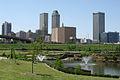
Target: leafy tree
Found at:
x=4, y=55
x=40, y=39
x=58, y=64
x=89, y=49
x=117, y=48
x=36, y=48
x=106, y=58
x=1, y=41
x=13, y=55
x=78, y=69
x=114, y=58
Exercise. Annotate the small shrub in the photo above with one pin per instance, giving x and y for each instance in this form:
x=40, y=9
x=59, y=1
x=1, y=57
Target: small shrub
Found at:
x=4, y=55
x=58, y=64
x=114, y=58
x=106, y=58
x=77, y=69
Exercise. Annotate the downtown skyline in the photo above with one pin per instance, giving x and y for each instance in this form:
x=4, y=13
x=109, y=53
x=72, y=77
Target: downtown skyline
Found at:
x=73, y=14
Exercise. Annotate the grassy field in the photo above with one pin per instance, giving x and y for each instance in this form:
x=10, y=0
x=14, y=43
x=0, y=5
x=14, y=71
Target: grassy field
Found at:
x=11, y=71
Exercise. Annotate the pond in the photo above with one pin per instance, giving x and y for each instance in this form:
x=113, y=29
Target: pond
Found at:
x=98, y=68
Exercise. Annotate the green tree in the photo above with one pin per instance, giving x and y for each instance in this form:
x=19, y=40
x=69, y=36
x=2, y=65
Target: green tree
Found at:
x=77, y=69
x=40, y=39
x=58, y=64
x=114, y=58
x=106, y=58
x=36, y=48
x=11, y=54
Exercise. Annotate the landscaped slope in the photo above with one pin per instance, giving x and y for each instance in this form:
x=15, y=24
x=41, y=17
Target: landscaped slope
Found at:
x=11, y=71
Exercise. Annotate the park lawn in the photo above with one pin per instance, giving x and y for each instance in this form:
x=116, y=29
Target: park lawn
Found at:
x=11, y=71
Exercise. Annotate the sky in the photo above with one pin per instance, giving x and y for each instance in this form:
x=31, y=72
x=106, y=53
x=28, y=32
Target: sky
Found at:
x=25, y=14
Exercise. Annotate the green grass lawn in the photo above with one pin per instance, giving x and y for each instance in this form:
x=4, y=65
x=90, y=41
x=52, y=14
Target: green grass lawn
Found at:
x=11, y=71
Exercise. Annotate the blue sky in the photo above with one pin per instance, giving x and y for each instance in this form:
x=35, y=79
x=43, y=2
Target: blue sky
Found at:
x=24, y=14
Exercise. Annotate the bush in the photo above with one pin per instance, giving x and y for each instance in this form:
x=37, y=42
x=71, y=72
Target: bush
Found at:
x=106, y=58
x=4, y=55
x=58, y=64
x=114, y=58
x=77, y=69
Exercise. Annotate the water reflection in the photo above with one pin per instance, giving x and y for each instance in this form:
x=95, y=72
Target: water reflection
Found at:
x=99, y=68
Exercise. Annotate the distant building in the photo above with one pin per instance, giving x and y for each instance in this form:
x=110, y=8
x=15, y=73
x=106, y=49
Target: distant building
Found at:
x=38, y=32
x=55, y=19
x=119, y=38
x=64, y=34
x=6, y=28
x=21, y=34
x=48, y=38
x=12, y=34
x=87, y=41
x=110, y=37
x=44, y=23
x=31, y=35
x=98, y=25
x=104, y=37
x=113, y=37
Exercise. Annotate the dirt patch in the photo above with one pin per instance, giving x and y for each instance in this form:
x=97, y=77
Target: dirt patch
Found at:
x=36, y=74
x=31, y=73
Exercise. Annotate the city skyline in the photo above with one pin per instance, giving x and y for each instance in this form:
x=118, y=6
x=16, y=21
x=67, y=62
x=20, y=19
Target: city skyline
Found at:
x=25, y=16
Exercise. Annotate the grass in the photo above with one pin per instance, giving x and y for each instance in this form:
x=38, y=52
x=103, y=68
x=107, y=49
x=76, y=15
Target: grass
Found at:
x=11, y=71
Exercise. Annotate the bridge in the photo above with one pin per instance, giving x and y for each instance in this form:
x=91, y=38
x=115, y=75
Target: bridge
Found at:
x=15, y=38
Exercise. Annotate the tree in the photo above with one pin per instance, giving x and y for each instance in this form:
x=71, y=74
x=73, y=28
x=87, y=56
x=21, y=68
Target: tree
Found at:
x=13, y=55
x=58, y=64
x=78, y=69
x=40, y=39
x=114, y=58
x=106, y=58
x=36, y=48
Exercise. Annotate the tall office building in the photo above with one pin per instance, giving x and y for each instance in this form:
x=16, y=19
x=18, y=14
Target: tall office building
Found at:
x=55, y=19
x=44, y=23
x=98, y=25
x=6, y=28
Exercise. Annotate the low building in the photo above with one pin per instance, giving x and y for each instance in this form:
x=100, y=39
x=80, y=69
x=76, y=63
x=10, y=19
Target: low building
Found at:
x=48, y=38
x=64, y=34
x=87, y=41
x=38, y=32
x=113, y=37
x=103, y=37
x=12, y=34
x=109, y=37
x=21, y=34
x=31, y=35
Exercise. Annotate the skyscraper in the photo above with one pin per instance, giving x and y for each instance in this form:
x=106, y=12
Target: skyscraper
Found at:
x=98, y=25
x=55, y=19
x=6, y=28
x=44, y=23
